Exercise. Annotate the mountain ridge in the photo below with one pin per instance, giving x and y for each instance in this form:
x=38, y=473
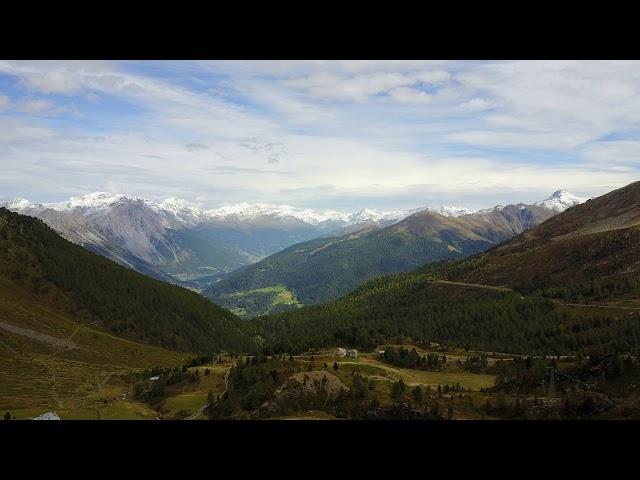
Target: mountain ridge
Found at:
x=323, y=269
x=93, y=289
x=175, y=241
x=572, y=285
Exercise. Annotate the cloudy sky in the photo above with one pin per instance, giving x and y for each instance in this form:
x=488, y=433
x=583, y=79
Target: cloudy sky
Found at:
x=319, y=134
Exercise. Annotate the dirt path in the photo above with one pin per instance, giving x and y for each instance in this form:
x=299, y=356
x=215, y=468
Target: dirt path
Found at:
x=506, y=289
x=197, y=413
x=101, y=384
x=61, y=345
x=596, y=306
x=39, y=337
x=474, y=285
x=350, y=237
x=200, y=411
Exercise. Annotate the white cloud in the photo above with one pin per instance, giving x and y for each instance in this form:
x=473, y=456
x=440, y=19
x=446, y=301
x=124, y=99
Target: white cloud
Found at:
x=410, y=95
x=614, y=153
x=360, y=87
x=477, y=104
x=14, y=132
x=580, y=100
x=53, y=82
x=546, y=140
x=194, y=147
x=34, y=106
x=4, y=101
x=277, y=131
x=433, y=77
x=41, y=107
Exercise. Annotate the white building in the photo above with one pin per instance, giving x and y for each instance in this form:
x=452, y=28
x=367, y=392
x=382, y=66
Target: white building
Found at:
x=352, y=353
x=342, y=352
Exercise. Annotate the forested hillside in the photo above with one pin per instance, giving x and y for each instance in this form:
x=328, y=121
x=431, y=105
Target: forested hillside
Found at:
x=588, y=255
x=410, y=308
x=323, y=269
x=93, y=289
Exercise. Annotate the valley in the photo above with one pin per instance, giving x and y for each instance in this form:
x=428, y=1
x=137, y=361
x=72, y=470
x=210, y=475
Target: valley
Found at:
x=176, y=242
x=321, y=270
x=199, y=241
x=248, y=304
x=489, y=334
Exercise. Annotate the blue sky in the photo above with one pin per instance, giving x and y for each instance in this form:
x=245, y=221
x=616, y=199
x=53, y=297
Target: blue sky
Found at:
x=319, y=134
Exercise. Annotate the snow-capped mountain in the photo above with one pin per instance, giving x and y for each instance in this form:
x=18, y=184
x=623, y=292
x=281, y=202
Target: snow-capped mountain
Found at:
x=248, y=211
x=560, y=200
x=452, y=211
x=93, y=201
x=322, y=269
x=18, y=204
x=178, y=240
x=187, y=212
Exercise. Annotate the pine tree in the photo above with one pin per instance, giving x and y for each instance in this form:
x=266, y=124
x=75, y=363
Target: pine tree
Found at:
x=417, y=394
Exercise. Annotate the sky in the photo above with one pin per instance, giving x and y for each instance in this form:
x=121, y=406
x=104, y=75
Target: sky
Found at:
x=319, y=134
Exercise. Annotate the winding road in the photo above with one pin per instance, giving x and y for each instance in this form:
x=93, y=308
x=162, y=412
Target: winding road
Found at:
x=200, y=411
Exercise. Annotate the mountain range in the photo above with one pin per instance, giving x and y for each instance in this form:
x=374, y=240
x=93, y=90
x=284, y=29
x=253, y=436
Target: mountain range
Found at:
x=177, y=242
x=75, y=325
x=591, y=251
x=322, y=269
x=569, y=284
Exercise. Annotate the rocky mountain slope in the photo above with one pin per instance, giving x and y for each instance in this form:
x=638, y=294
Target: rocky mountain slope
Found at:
x=177, y=242
x=567, y=285
x=322, y=269
x=591, y=251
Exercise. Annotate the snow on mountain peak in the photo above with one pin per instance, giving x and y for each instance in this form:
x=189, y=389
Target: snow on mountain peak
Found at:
x=247, y=210
x=453, y=211
x=560, y=200
x=177, y=206
x=94, y=200
x=18, y=204
x=187, y=212
x=372, y=215
x=365, y=214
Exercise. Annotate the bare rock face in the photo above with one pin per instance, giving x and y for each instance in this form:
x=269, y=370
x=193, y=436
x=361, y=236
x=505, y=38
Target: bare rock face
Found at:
x=315, y=382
